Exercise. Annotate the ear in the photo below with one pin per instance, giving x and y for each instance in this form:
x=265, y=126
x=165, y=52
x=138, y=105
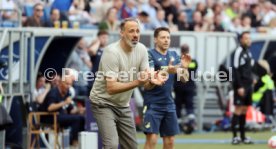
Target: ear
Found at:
x=155, y=40
x=121, y=32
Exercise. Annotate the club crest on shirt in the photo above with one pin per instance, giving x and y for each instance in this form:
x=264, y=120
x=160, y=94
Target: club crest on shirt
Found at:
x=147, y=125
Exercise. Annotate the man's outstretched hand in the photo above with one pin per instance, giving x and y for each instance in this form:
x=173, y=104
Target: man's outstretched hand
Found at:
x=185, y=60
x=158, y=77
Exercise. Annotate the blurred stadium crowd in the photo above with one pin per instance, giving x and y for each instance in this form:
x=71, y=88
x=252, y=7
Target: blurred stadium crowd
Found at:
x=178, y=15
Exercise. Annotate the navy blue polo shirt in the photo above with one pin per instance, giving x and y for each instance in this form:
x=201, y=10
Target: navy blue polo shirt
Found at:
x=160, y=97
x=53, y=96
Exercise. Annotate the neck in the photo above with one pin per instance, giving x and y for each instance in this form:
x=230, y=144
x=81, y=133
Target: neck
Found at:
x=244, y=47
x=125, y=46
x=162, y=51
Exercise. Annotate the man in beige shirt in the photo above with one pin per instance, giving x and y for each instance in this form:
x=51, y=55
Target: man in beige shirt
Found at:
x=117, y=76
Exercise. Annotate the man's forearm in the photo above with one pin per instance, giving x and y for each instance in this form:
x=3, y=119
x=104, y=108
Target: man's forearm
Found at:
x=119, y=87
x=56, y=106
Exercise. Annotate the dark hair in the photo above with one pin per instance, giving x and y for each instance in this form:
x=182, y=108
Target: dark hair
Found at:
x=159, y=29
x=243, y=33
x=253, y=6
x=102, y=32
x=123, y=23
x=39, y=75
x=52, y=10
x=185, y=49
x=143, y=14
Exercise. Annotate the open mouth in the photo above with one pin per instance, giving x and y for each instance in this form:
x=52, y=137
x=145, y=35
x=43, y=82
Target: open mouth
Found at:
x=134, y=41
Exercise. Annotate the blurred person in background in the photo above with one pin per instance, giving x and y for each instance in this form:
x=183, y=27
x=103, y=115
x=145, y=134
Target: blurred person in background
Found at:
x=111, y=22
x=160, y=19
x=170, y=10
x=78, y=12
x=235, y=25
x=80, y=61
x=36, y=19
x=197, y=22
x=41, y=89
x=264, y=90
x=144, y=21
x=151, y=8
x=182, y=23
x=59, y=100
x=246, y=23
x=9, y=12
x=99, y=9
x=218, y=26
x=129, y=9
x=267, y=12
x=54, y=20
x=184, y=94
x=255, y=14
x=95, y=51
x=201, y=7
x=233, y=10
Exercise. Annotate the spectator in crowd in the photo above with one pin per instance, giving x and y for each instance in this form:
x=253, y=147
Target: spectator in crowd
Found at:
x=118, y=4
x=235, y=26
x=160, y=19
x=80, y=61
x=96, y=50
x=100, y=8
x=144, y=21
x=59, y=100
x=197, y=23
x=78, y=13
x=54, y=19
x=255, y=14
x=201, y=7
x=9, y=12
x=234, y=10
x=218, y=26
x=110, y=22
x=182, y=23
x=36, y=19
x=246, y=23
x=129, y=9
x=169, y=9
x=41, y=89
x=151, y=8
x=268, y=13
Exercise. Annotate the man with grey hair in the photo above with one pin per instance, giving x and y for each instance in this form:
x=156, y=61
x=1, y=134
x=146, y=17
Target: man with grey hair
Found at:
x=116, y=78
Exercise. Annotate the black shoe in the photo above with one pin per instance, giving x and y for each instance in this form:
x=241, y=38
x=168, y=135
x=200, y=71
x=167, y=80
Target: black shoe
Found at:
x=247, y=140
x=236, y=141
